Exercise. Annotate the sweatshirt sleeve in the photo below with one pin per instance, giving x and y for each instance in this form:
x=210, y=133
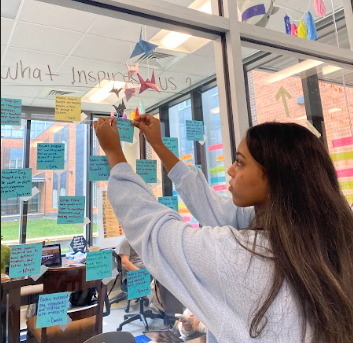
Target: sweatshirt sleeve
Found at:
x=182, y=258
x=205, y=204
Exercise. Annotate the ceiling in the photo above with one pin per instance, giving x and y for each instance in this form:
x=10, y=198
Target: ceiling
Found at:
x=42, y=35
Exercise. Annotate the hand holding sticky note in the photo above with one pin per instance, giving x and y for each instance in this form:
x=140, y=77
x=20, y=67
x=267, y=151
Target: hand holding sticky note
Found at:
x=126, y=130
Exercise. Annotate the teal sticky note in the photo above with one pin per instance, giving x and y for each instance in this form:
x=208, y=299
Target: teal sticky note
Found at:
x=171, y=202
x=11, y=110
x=126, y=130
x=194, y=130
x=99, y=265
x=138, y=284
x=198, y=166
x=16, y=183
x=147, y=169
x=71, y=210
x=50, y=156
x=52, y=309
x=98, y=168
x=172, y=144
x=25, y=260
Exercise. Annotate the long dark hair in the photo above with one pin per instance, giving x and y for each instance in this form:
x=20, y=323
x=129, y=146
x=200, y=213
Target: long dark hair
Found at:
x=309, y=225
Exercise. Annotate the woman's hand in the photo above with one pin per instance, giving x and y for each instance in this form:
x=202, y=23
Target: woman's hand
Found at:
x=151, y=127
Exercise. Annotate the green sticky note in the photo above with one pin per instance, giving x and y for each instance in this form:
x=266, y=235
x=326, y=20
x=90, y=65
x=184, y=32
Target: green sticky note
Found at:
x=16, y=183
x=147, y=169
x=52, y=309
x=172, y=144
x=194, y=130
x=71, y=210
x=98, y=168
x=50, y=156
x=217, y=170
x=171, y=202
x=25, y=260
x=126, y=130
x=138, y=284
x=99, y=265
x=11, y=110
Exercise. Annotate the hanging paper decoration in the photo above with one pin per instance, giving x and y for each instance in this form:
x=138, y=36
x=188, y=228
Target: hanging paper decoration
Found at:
x=124, y=116
x=142, y=109
x=143, y=47
x=132, y=115
x=120, y=109
x=148, y=84
x=294, y=30
x=287, y=24
x=302, y=30
x=137, y=112
x=312, y=34
x=130, y=91
x=320, y=8
x=131, y=70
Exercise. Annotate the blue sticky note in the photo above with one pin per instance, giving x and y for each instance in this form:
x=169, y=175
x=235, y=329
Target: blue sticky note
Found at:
x=171, y=202
x=99, y=265
x=172, y=144
x=126, y=130
x=218, y=179
x=194, y=130
x=25, y=260
x=52, y=309
x=50, y=156
x=98, y=168
x=11, y=110
x=16, y=183
x=147, y=169
x=71, y=210
x=138, y=284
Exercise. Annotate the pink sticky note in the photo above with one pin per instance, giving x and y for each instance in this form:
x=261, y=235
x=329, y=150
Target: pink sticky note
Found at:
x=345, y=173
x=342, y=142
x=215, y=147
x=220, y=188
x=112, y=114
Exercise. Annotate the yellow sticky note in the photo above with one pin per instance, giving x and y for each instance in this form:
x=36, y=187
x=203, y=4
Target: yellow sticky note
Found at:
x=349, y=198
x=67, y=108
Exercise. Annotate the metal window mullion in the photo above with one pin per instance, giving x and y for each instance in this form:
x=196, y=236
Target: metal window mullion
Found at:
x=89, y=184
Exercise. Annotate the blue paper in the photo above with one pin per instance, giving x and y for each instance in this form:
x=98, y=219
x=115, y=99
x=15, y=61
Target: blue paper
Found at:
x=171, y=202
x=147, y=169
x=52, y=309
x=138, y=284
x=98, y=168
x=194, y=130
x=126, y=130
x=220, y=179
x=25, y=260
x=199, y=166
x=16, y=183
x=99, y=265
x=71, y=210
x=11, y=110
x=50, y=156
x=172, y=144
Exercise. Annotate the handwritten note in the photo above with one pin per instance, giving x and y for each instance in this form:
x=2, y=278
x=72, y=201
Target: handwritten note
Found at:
x=126, y=130
x=78, y=243
x=99, y=265
x=67, y=108
x=16, y=183
x=172, y=144
x=194, y=130
x=11, y=110
x=25, y=260
x=138, y=284
x=50, y=156
x=71, y=210
x=147, y=169
x=52, y=309
x=171, y=202
x=98, y=168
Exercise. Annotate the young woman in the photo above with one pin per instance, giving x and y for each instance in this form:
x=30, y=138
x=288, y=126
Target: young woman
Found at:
x=286, y=278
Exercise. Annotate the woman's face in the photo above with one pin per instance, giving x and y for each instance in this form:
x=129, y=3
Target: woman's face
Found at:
x=249, y=183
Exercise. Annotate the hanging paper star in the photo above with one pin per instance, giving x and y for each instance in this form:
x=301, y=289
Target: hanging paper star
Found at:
x=116, y=91
x=120, y=109
x=132, y=70
x=130, y=92
x=143, y=47
x=146, y=84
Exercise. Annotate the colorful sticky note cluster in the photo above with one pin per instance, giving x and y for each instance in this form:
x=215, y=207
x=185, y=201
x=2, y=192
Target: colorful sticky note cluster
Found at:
x=126, y=130
x=67, y=108
x=99, y=265
x=71, y=210
x=11, y=110
x=25, y=260
x=50, y=156
x=194, y=130
x=16, y=183
x=138, y=284
x=171, y=202
x=147, y=169
x=172, y=144
x=98, y=168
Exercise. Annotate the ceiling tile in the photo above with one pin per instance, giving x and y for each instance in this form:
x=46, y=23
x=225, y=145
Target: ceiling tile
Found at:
x=43, y=38
x=9, y=8
x=206, y=50
x=6, y=27
x=56, y=16
x=195, y=65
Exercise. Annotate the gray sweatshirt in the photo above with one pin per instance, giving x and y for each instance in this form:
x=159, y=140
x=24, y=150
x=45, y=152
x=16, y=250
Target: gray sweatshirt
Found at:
x=207, y=269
